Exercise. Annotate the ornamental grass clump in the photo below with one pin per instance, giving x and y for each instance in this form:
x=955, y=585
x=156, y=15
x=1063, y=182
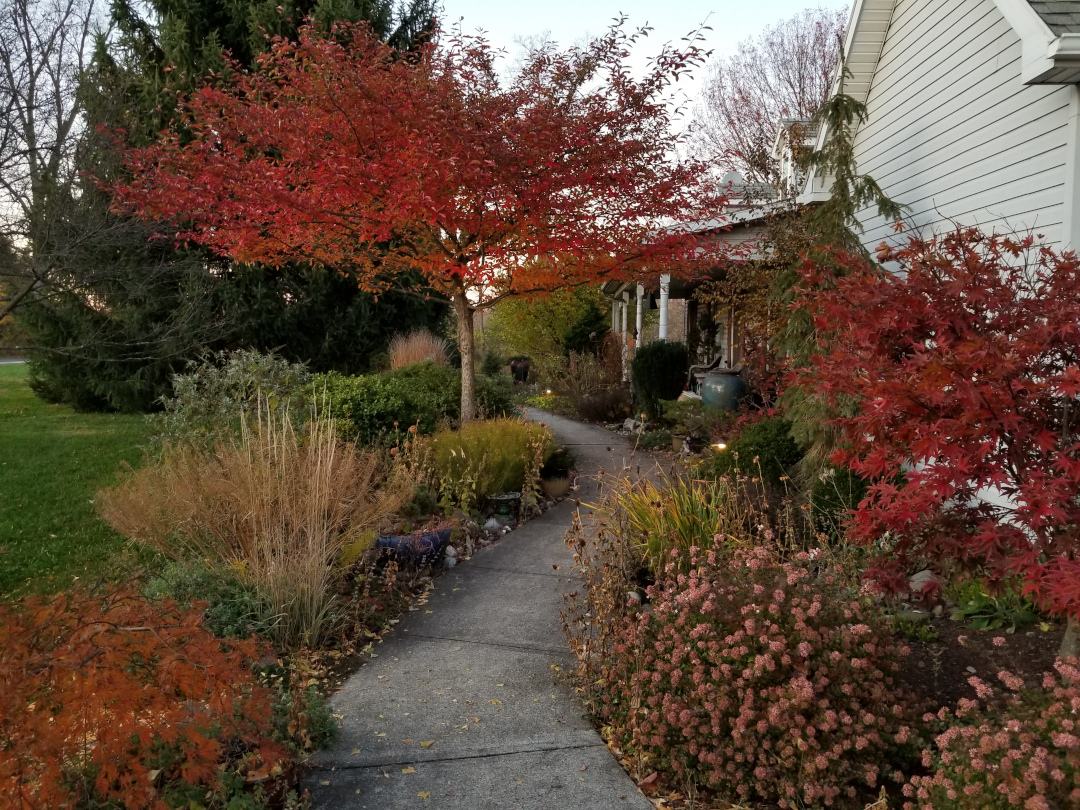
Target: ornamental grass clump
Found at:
x=766, y=681
x=486, y=458
x=277, y=507
x=1020, y=748
x=418, y=346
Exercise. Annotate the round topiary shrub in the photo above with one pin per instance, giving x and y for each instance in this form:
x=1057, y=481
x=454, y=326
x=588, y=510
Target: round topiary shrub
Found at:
x=766, y=681
x=659, y=371
x=765, y=449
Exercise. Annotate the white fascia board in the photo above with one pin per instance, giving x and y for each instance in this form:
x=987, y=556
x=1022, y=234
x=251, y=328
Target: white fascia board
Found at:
x=1036, y=39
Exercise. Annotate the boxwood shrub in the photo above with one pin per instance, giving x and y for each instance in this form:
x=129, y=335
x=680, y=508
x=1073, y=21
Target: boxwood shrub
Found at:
x=423, y=394
x=770, y=442
x=659, y=372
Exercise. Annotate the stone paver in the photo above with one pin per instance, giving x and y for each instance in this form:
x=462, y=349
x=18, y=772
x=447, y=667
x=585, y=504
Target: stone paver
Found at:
x=463, y=707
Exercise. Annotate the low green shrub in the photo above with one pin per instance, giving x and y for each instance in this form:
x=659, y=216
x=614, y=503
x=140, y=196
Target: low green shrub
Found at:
x=233, y=609
x=555, y=403
x=211, y=400
x=655, y=440
x=765, y=449
x=558, y=463
x=835, y=492
x=493, y=364
x=685, y=417
x=679, y=515
x=381, y=407
x=486, y=458
x=983, y=610
x=659, y=372
x=605, y=405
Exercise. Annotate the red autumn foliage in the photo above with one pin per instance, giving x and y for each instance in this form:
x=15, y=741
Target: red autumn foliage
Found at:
x=336, y=150
x=108, y=699
x=956, y=373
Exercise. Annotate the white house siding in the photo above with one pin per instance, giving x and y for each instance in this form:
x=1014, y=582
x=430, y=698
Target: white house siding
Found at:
x=952, y=131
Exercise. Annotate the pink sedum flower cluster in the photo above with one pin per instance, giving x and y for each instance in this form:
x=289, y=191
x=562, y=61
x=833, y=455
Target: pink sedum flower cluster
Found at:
x=1024, y=752
x=766, y=681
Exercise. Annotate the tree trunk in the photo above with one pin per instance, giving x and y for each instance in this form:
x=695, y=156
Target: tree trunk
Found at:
x=1070, y=643
x=468, y=361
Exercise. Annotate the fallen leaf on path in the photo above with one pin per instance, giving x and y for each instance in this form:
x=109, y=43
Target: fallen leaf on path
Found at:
x=583, y=768
x=427, y=743
x=424, y=794
x=410, y=769
x=649, y=782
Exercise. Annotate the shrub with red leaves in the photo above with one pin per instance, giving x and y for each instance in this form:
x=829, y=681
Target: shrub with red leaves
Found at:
x=118, y=701
x=1024, y=752
x=763, y=680
x=957, y=375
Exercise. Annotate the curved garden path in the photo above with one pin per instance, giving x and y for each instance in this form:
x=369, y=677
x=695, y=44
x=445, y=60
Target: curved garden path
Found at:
x=463, y=708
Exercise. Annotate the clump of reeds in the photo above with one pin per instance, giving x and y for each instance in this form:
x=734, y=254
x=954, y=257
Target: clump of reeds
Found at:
x=277, y=505
x=416, y=347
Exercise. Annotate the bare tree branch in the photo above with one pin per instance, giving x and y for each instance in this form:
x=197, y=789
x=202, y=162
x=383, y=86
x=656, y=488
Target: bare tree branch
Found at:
x=784, y=73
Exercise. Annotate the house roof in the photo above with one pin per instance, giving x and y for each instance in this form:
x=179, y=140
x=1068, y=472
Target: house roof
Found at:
x=1060, y=16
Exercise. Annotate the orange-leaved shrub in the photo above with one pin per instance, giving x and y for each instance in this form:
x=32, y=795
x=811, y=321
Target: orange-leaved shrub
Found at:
x=1020, y=751
x=764, y=680
x=114, y=701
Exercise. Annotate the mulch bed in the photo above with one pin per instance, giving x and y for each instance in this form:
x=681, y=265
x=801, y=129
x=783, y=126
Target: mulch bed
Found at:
x=938, y=671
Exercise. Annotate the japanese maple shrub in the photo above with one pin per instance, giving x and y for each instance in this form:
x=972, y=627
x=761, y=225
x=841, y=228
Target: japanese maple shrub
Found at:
x=957, y=374
x=764, y=680
x=115, y=701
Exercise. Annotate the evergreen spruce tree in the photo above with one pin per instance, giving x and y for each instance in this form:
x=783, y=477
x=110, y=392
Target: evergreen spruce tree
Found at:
x=132, y=310
x=817, y=235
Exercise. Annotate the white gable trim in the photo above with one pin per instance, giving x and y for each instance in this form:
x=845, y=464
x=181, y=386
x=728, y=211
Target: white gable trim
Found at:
x=1047, y=58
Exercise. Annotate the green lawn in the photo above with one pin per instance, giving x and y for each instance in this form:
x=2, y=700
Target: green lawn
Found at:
x=52, y=462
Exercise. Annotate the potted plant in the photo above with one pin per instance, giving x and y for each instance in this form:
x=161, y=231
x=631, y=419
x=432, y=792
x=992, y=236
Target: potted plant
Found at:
x=687, y=420
x=555, y=473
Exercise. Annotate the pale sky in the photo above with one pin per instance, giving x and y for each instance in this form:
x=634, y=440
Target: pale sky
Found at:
x=570, y=20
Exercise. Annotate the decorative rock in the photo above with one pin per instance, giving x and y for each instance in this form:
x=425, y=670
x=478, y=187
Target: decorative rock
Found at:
x=630, y=424
x=925, y=579
x=492, y=525
x=450, y=562
x=451, y=551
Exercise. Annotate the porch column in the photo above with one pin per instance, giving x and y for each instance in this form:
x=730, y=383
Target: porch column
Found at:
x=665, y=290
x=638, y=321
x=625, y=348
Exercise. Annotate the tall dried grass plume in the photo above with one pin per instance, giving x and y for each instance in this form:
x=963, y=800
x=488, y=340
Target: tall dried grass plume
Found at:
x=278, y=505
x=417, y=347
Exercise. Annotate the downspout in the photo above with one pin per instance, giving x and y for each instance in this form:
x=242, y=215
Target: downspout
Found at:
x=665, y=291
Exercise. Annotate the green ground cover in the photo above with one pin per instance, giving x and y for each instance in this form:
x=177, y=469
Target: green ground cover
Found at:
x=52, y=462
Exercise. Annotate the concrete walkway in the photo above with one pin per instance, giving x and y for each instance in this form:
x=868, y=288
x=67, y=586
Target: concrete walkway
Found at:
x=463, y=707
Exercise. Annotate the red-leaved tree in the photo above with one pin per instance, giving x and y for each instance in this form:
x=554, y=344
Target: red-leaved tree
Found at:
x=957, y=375
x=340, y=151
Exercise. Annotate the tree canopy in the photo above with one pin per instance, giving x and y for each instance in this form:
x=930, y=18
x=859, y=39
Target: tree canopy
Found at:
x=337, y=152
